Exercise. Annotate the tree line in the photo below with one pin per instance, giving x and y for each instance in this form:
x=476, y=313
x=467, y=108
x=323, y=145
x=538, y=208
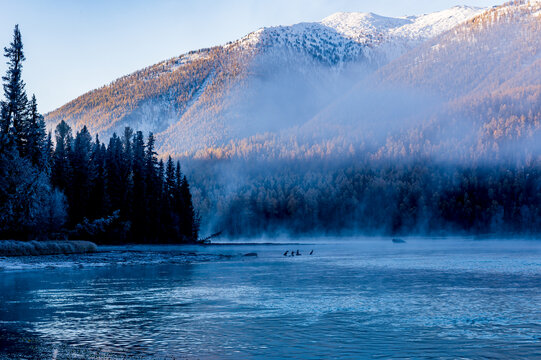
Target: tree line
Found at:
x=79, y=187
x=370, y=197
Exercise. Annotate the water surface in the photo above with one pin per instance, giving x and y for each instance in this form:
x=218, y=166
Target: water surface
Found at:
x=352, y=299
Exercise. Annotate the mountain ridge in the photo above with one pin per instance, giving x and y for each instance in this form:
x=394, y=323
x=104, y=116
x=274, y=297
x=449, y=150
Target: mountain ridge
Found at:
x=182, y=94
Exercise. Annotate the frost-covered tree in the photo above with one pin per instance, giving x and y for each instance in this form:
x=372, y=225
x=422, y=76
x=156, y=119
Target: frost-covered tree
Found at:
x=26, y=196
x=28, y=204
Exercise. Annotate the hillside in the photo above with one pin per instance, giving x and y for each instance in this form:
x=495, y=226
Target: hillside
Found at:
x=269, y=81
x=488, y=74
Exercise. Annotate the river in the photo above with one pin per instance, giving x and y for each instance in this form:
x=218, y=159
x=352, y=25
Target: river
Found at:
x=353, y=298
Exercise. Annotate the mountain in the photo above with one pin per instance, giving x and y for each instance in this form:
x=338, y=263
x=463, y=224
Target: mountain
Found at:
x=487, y=70
x=469, y=93
x=269, y=81
x=425, y=124
x=496, y=50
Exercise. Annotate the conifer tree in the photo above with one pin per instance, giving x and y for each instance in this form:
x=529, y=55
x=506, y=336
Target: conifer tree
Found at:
x=79, y=192
x=98, y=190
x=49, y=152
x=169, y=179
x=190, y=225
x=126, y=171
x=14, y=107
x=138, y=211
x=61, y=169
x=115, y=179
x=36, y=139
x=152, y=186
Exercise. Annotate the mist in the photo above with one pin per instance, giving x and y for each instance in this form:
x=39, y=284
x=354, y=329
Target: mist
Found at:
x=340, y=152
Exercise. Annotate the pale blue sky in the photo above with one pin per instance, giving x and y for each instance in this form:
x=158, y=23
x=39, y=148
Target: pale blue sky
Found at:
x=73, y=46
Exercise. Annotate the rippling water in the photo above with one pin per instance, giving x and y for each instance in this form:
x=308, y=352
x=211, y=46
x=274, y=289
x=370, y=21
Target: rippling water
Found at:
x=352, y=299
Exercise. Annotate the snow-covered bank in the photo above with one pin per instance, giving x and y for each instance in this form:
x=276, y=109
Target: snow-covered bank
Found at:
x=34, y=248
x=121, y=256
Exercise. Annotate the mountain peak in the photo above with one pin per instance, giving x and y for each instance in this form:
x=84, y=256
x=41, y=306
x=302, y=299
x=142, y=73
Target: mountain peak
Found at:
x=358, y=25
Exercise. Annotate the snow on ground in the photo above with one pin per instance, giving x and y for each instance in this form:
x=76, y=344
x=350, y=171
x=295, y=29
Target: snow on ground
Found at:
x=430, y=25
x=34, y=248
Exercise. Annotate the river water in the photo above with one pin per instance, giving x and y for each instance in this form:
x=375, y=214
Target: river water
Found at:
x=352, y=299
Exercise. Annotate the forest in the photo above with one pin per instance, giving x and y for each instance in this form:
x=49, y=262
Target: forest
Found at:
x=77, y=187
x=365, y=196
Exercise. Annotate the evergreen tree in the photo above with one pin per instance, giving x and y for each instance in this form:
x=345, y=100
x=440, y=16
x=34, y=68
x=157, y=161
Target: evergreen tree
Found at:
x=80, y=186
x=127, y=151
x=61, y=169
x=190, y=223
x=126, y=171
x=169, y=179
x=138, y=211
x=98, y=201
x=36, y=138
x=14, y=107
x=152, y=186
x=115, y=179
x=49, y=152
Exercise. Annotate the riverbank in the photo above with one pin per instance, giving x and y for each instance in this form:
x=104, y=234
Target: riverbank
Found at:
x=36, y=248
x=116, y=256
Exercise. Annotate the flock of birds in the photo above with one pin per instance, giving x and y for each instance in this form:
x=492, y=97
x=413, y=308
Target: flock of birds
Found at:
x=293, y=253
x=298, y=253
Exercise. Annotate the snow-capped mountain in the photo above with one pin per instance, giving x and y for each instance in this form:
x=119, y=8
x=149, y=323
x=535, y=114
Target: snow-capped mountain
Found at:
x=247, y=94
x=344, y=37
x=391, y=37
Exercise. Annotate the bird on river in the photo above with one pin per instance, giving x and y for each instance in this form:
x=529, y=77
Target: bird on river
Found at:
x=311, y=252
x=285, y=254
x=298, y=253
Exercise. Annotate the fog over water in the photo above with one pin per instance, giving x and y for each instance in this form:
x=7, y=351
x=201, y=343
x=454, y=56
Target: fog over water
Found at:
x=353, y=298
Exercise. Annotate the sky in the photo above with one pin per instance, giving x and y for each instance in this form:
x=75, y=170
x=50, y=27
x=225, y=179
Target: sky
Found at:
x=74, y=46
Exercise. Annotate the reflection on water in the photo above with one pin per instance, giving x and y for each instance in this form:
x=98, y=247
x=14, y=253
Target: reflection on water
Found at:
x=351, y=299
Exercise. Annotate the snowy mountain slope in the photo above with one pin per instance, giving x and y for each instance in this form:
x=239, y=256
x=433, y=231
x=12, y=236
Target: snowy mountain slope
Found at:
x=478, y=88
x=467, y=93
x=491, y=51
x=270, y=80
x=393, y=36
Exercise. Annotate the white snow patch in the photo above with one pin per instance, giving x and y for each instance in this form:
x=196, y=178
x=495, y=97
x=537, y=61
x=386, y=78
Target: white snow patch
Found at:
x=34, y=248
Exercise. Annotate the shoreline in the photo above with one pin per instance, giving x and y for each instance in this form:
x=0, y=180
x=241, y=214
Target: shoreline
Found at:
x=18, y=248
